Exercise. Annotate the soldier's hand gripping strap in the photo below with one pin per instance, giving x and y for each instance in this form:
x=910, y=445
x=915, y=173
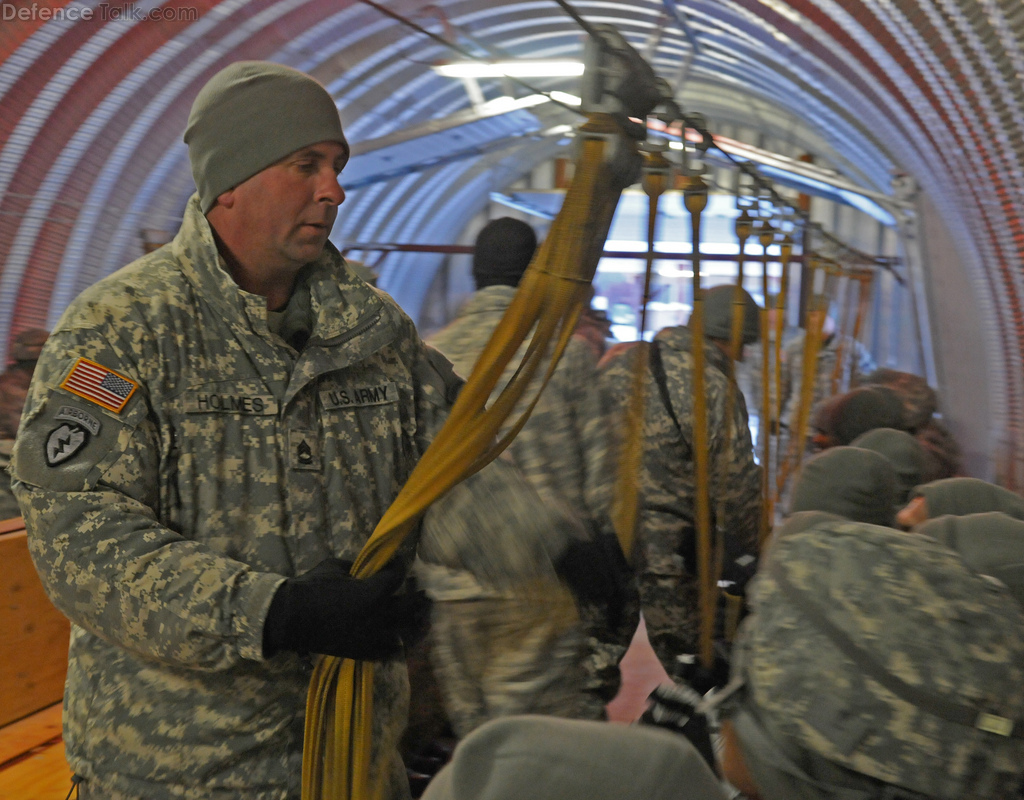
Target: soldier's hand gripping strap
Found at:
x=327, y=611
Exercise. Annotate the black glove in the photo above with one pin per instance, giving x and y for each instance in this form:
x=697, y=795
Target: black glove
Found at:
x=407, y=613
x=327, y=611
x=703, y=679
x=596, y=571
x=675, y=708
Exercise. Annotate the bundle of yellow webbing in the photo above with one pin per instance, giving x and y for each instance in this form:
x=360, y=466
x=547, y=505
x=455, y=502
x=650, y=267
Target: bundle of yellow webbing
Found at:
x=339, y=711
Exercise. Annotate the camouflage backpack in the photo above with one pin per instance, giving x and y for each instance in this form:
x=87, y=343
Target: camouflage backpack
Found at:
x=884, y=653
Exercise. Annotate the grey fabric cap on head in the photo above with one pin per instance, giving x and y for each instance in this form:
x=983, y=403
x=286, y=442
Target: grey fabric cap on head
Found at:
x=904, y=453
x=992, y=544
x=718, y=311
x=884, y=653
x=961, y=496
x=250, y=115
x=546, y=758
x=850, y=482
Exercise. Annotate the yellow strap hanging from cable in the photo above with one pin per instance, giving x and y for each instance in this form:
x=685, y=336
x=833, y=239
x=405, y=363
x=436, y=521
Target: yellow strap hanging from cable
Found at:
x=744, y=227
x=339, y=710
x=766, y=237
x=626, y=500
x=695, y=196
x=812, y=345
x=786, y=253
x=866, y=282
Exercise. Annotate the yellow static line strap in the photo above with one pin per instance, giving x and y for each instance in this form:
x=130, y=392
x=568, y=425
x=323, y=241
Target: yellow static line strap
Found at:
x=766, y=502
x=696, y=198
x=339, y=711
x=809, y=370
x=780, y=326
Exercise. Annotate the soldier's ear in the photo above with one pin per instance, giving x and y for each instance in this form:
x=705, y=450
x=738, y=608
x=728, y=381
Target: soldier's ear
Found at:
x=226, y=199
x=914, y=513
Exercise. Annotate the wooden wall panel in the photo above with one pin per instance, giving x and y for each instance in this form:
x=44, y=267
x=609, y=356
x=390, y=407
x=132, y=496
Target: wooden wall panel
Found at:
x=33, y=636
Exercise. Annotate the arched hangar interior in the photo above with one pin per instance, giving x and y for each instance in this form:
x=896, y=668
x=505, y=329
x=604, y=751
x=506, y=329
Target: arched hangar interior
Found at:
x=912, y=112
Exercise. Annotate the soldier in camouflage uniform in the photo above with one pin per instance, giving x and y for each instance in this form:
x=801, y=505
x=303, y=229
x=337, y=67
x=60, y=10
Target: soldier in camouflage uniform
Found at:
x=565, y=449
x=665, y=554
x=749, y=374
x=875, y=664
x=209, y=431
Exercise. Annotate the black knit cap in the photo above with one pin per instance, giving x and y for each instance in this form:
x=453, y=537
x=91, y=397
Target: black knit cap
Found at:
x=504, y=249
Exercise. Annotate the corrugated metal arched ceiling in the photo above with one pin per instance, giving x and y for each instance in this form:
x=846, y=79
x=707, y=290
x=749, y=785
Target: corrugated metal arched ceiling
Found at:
x=93, y=109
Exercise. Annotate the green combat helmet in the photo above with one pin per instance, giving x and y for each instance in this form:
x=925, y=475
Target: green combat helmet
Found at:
x=877, y=664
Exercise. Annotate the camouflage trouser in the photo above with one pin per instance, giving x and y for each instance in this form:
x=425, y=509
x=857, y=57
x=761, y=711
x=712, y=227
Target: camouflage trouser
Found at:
x=523, y=655
x=607, y=642
x=93, y=790
x=672, y=616
x=97, y=789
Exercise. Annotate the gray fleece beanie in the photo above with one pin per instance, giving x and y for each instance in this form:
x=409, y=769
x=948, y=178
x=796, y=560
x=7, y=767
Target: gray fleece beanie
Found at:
x=960, y=496
x=718, y=311
x=904, y=453
x=991, y=543
x=250, y=115
x=857, y=484
x=546, y=758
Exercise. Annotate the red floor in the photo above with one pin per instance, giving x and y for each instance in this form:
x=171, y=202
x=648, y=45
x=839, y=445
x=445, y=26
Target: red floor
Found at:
x=641, y=672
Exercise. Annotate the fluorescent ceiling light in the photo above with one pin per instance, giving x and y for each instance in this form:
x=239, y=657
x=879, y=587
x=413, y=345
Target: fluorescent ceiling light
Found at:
x=513, y=69
x=508, y=103
x=565, y=97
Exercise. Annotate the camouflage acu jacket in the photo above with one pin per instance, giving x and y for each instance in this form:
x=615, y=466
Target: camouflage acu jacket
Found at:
x=665, y=556
x=566, y=453
x=565, y=449
x=176, y=462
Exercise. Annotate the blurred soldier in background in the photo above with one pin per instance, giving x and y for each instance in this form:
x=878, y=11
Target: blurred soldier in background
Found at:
x=565, y=451
x=665, y=553
x=834, y=344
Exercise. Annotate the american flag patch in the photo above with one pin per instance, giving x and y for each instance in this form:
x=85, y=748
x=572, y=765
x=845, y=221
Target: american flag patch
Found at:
x=101, y=385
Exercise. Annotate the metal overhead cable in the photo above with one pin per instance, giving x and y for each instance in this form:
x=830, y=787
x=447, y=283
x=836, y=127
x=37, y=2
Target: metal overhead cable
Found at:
x=463, y=52
x=694, y=121
x=763, y=184
x=572, y=12
x=680, y=19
